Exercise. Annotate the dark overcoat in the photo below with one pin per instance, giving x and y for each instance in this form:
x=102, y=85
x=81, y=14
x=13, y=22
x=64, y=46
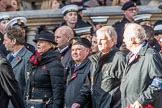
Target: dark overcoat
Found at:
x=47, y=79
x=106, y=74
x=137, y=84
x=9, y=89
x=78, y=84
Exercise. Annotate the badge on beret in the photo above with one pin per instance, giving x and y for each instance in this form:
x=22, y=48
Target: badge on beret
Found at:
x=74, y=41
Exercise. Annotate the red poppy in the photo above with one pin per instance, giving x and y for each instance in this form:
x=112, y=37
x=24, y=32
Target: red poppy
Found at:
x=74, y=75
x=17, y=58
x=146, y=106
x=44, y=67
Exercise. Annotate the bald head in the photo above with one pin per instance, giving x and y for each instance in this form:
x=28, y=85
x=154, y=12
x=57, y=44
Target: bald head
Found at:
x=62, y=36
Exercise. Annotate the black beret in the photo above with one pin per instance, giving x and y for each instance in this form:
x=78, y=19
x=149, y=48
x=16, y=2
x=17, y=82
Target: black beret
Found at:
x=128, y=5
x=46, y=36
x=80, y=41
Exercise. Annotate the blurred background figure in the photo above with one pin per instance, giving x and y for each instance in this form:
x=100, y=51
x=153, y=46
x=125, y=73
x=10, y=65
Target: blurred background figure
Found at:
x=160, y=6
x=15, y=5
x=98, y=22
x=119, y=2
x=143, y=19
x=94, y=47
x=158, y=31
x=3, y=22
x=84, y=32
x=150, y=37
x=51, y=4
x=70, y=15
x=4, y=5
x=4, y=19
x=129, y=10
x=122, y=2
x=80, y=21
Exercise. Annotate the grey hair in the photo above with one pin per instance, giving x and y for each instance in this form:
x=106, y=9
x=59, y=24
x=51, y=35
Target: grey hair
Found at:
x=136, y=31
x=109, y=32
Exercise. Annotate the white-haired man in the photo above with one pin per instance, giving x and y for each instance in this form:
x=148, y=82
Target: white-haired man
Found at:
x=141, y=85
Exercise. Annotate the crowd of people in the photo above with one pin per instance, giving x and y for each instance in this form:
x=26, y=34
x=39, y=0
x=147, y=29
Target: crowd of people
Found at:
x=81, y=64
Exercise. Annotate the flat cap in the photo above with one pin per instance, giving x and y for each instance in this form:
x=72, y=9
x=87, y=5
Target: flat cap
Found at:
x=128, y=5
x=69, y=8
x=80, y=41
x=20, y=21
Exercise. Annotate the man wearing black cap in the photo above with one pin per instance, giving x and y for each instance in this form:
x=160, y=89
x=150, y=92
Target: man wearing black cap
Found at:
x=130, y=10
x=78, y=80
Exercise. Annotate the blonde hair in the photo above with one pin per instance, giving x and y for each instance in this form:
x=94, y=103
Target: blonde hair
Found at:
x=115, y=2
x=46, y=4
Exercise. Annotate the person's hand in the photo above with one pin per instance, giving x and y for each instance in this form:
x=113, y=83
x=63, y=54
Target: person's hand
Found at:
x=136, y=104
x=76, y=105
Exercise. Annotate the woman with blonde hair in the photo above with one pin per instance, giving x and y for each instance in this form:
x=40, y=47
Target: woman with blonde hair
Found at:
x=51, y=4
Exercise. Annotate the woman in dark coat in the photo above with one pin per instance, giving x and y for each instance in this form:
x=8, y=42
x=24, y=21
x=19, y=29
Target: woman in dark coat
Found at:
x=47, y=74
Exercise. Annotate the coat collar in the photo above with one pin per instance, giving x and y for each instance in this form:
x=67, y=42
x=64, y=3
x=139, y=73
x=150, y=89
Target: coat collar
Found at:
x=18, y=57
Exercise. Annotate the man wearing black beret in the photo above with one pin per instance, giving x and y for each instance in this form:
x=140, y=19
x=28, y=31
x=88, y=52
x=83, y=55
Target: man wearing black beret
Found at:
x=78, y=80
x=129, y=10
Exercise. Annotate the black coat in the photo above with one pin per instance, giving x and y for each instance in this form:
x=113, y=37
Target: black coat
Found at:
x=47, y=79
x=9, y=89
x=78, y=84
x=137, y=83
x=107, y=71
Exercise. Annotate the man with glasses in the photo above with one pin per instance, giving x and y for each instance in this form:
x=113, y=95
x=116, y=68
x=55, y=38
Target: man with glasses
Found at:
x=129, y=10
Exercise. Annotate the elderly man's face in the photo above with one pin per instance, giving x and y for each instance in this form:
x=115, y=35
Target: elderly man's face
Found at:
x=79, y=53
x=104, y=43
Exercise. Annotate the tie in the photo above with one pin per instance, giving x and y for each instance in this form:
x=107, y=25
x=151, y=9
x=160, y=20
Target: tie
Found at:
x=11, y=58
x=132, y=57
